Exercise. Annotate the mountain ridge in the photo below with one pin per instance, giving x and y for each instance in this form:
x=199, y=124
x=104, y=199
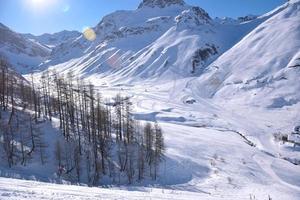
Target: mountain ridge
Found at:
x=160, y=3
x=24, y=55
x=54, y=39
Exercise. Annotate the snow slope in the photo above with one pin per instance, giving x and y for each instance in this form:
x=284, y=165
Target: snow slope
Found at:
x=23, y=54
x=261, y=63
x=230, y=170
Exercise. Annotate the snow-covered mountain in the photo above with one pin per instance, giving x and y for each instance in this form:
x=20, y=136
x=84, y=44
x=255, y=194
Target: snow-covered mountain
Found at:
x=158, y=41
x=160, y=3
x=229, y=20
x=123, y=34
x=22, y=53
x=55, y=39
x=262, y=66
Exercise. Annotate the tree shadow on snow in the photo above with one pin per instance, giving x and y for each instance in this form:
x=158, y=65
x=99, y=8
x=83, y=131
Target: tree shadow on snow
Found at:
x=174, y=174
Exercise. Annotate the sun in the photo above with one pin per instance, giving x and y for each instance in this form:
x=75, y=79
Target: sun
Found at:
x=39, y=5
x=37, y=1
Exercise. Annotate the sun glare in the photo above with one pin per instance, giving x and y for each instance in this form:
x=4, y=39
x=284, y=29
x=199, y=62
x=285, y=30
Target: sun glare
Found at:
x=37, y=1
x=40, y=5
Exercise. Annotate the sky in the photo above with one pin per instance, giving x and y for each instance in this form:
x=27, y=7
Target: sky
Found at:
x=50, y=16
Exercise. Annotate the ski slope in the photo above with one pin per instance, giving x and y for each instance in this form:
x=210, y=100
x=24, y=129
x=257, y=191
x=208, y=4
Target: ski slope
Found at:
x=12, y=189
x=205, y=164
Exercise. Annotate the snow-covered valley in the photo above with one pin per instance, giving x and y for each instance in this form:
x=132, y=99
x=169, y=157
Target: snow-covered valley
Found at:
x=225, y=93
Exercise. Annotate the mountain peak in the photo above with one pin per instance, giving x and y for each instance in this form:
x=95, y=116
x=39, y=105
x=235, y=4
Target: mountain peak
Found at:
x=2, y=26
x=160, y=3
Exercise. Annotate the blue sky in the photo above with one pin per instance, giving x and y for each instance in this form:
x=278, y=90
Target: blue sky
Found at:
x=41, y=16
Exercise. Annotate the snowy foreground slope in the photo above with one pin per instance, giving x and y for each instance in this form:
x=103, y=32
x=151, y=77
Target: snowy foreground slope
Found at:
x=230, y=170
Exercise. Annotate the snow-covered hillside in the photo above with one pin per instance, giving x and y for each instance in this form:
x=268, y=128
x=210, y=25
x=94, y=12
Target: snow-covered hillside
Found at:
x=206, y=164
x=264, y=62
x=23, y=54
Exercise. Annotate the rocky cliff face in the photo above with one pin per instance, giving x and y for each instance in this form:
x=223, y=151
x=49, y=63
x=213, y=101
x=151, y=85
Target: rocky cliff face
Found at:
x=194, y=15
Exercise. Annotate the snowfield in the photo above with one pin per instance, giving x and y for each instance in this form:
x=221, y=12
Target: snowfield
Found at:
x=12, y=189
x=19, y=189
x=219, y=165
x=204, y=163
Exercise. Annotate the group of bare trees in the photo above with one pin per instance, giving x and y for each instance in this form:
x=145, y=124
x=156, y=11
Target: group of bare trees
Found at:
x=100, y=137
x=20, y=137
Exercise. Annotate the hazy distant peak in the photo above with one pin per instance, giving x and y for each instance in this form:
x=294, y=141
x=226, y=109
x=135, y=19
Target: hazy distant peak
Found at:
x=160, y=3
x=2, y=26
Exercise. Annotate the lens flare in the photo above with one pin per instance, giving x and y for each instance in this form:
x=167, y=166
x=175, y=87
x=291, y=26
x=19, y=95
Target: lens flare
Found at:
x=89, y=34
x=66, y=8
